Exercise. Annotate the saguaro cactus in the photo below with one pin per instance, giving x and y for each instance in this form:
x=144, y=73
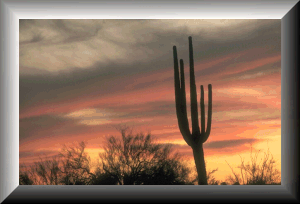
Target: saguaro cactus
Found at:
x=195, y=139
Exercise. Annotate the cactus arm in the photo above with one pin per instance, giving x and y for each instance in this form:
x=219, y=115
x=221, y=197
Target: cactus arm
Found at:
x=176, y=75
x=181, y=101
x=209, y=116
x=182, y=85
x=194, y=105
x=202, y=109
x=186, y=131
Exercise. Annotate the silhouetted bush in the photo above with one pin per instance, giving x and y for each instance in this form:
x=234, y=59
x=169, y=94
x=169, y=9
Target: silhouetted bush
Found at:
x=45, y=172
x=137, y=160
x=76, y=165
x=254, y=173
x=132, y=160
x=101, y=178
x=70, y=167
x=24, y=179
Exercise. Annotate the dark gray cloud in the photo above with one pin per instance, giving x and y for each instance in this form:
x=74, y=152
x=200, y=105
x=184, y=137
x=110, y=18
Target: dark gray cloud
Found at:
x=40, y=153
x=235, y=105
x=56, y=31
x=217, y=144
x=51, y=126
x=128, y=47
x=167, y=108
x=57, y=127
x=44, y=125
x=229, y=143
x=270, y=68
x=156, y=108
x=141, y=36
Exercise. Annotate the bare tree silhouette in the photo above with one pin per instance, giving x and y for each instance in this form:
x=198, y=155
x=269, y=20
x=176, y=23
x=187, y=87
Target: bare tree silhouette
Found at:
x=44, y=172
x=255, y=172
x=157, y=168
x=195, y=139
x=75, y=165
x=127, y=161
x=70, y=167
x=137, y=160
x=24, y=179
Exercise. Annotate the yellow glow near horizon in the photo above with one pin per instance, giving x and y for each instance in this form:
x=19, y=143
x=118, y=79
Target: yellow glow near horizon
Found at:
x=214, y=162
x=219, y=161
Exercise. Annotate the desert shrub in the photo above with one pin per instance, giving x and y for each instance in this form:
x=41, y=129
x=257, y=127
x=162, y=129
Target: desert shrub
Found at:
x=256, y=172
x=136, y=160
x=133, y=159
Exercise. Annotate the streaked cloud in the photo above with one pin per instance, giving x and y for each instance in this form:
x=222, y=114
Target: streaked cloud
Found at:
x=37, y=154
x=228, y=143
x=91, y=116
x=68, y=44
x=240, y=91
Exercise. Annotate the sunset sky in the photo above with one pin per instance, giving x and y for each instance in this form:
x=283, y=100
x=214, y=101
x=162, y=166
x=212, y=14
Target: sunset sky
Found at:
x=79, y=79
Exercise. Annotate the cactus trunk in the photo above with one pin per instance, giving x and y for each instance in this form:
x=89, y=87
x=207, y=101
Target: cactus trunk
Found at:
x=200, y=165
x=196, y=138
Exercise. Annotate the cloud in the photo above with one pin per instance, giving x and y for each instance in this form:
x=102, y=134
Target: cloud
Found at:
x=42, y=126
x=92, y=116
x=36, y=154
x=223, y=147
x=229, y=143
x=246, y=115
x=255, y=69
x=69, y=44
x=56, y=128
x=61, y=65
x=240, y=92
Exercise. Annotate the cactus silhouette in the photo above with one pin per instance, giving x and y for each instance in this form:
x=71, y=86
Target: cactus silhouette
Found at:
x=195, y=139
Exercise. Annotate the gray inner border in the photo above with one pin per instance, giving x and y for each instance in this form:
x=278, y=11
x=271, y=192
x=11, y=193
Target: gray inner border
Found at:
x=12, y=11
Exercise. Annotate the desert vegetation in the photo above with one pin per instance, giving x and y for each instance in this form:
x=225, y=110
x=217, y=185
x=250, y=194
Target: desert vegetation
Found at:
x=129, y=160
x=135, y=159
x=256, y=172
